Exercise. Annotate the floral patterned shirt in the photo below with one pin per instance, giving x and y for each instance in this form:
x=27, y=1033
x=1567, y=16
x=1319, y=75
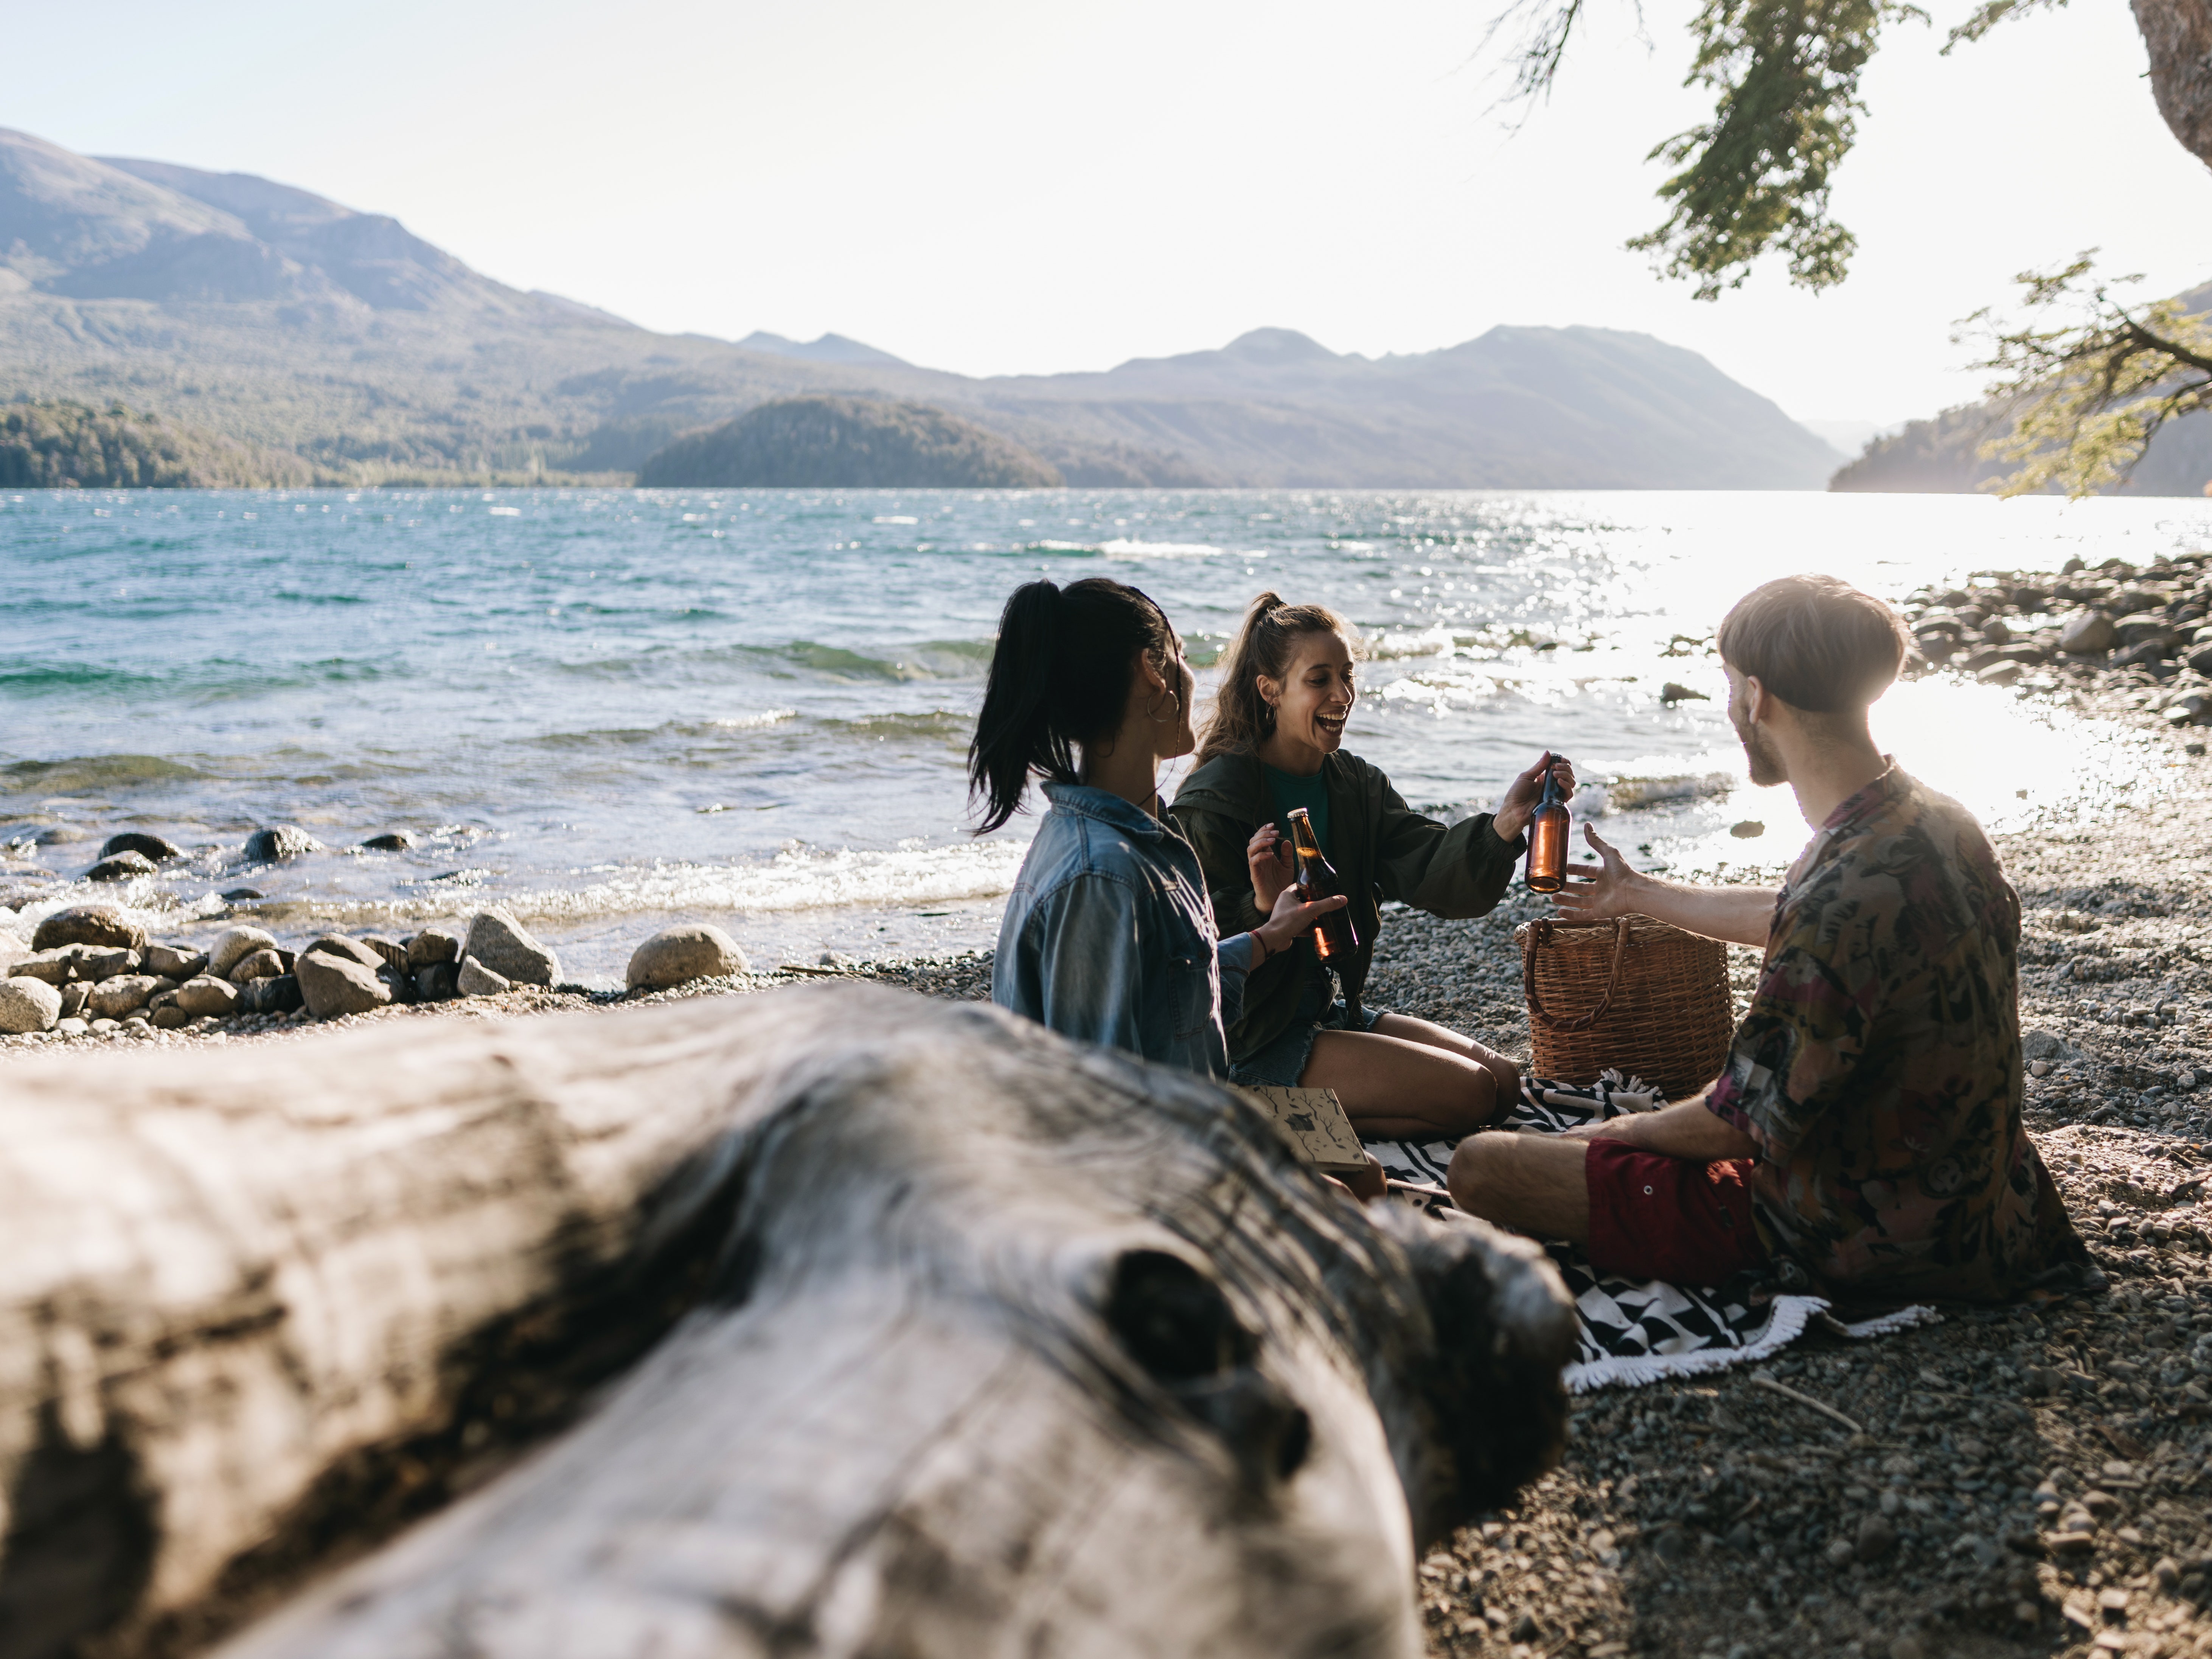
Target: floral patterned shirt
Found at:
x=1878, y=1068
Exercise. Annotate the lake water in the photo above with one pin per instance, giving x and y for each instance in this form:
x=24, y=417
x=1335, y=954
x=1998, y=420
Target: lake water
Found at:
x=610, y=709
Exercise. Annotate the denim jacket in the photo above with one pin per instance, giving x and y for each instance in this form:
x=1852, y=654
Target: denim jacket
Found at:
x=1109, y=935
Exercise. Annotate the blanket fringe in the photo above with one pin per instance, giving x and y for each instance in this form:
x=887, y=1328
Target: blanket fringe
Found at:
x=1789, y=1316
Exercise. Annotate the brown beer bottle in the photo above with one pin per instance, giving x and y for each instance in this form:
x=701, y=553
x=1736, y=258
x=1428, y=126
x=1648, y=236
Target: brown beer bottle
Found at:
x=1335, y=939
x=1548, y=836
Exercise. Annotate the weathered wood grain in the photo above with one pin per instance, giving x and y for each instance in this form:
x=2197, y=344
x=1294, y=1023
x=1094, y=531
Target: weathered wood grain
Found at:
x=1006, y=1345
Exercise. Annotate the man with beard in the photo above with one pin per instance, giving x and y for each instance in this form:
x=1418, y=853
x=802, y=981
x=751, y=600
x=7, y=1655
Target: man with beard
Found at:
x=1867, y=1125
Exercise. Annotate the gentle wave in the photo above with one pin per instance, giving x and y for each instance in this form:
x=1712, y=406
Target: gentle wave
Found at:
x=794, y=879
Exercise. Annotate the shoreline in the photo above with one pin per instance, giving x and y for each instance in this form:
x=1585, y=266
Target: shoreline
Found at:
x=2022, y=1480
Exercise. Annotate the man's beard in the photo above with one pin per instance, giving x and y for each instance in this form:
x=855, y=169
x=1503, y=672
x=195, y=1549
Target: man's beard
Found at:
x=1766, y=767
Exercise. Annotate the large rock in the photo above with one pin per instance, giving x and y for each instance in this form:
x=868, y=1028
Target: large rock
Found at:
x=278, y=842
x=262, y=964
x=336, y=985
x=677, y=956
x=434, y=944
x=123, y=866
x=150, y=847
x=351, y=950
x=2088, y=633
x=54, y=966
x=392, y=840
x=500, y=943
x=233, y=945
x=28, y=1004
x=206, y=996
x=88, y=924
x=438, y=981
x=175, y=962
x=96, y=964
x=474, y=980
x=112, y=998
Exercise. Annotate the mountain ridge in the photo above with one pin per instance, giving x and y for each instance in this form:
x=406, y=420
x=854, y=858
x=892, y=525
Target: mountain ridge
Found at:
x=282, y=318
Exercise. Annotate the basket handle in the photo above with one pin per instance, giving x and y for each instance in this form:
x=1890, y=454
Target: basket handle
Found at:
x=1579, y=1022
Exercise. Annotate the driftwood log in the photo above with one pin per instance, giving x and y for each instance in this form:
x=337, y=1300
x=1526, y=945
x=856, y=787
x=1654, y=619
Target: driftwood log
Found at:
x=956, y=1340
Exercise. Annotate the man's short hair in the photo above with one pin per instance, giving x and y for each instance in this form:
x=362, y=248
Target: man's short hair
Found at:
x=1816, y=642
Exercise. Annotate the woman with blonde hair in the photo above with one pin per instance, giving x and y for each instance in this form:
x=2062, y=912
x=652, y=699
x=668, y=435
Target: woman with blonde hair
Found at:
x=1275, y=742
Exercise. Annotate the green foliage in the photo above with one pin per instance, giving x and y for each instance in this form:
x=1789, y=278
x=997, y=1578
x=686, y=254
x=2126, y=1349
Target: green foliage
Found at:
x=1784, y=75
x=845, y=443
x=1785, y=78
x=2088, y=381
x=60, y=445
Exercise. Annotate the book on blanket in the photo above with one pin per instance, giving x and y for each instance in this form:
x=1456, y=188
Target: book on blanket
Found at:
x=1313, y=1122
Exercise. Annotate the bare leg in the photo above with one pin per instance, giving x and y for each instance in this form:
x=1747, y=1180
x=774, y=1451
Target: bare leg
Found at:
x=1396, y=1090
x=1533, y=1184
x=1430, y=1034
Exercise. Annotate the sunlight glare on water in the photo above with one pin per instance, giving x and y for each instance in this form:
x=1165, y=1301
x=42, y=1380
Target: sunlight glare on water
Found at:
x=614, y=709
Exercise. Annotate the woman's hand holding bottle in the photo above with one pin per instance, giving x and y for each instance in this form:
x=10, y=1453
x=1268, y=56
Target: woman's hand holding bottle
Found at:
x=1521, y=795
x=1290, y=916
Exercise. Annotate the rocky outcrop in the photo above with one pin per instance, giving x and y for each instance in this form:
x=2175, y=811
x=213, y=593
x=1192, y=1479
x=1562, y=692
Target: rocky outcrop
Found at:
x=847, y=443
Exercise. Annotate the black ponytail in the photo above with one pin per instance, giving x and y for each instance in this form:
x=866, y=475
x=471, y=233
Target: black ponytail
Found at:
x=1060, y=676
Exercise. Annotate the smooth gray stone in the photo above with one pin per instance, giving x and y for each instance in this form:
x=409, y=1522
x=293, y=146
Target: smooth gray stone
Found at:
x=334, y=986
x=28, y=1004
x=207, y=996
x=123, y=866
x=233, y=944
x=173, y=962
x=161, y=851
x=502, y=943
x=88, y=924
x=474, y=980
x=262, y=964
x=112, y=998
x=392, y=840
x=352, y=949
x=434, y=944
x=279, y=843
x=677, y=956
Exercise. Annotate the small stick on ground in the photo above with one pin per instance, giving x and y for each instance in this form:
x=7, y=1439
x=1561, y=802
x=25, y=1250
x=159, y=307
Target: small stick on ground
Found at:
x=1806, y=1401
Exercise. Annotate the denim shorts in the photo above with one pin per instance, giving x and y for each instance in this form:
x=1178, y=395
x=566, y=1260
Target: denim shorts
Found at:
x=1282, y=1060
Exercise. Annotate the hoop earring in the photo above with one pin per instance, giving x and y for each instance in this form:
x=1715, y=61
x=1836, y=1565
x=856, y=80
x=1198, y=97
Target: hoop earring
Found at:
x=1155, y=718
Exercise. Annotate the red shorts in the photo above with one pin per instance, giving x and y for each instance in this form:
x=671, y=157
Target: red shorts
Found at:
x=1656, y=1217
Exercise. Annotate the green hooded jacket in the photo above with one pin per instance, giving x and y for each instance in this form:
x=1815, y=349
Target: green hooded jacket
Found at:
x=1382, y=849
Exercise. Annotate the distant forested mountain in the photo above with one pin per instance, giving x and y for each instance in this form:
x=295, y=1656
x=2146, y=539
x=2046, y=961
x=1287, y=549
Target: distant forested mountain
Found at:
x=1943, y=455
x=66, y=445
x=280, y=318
x=847, y=443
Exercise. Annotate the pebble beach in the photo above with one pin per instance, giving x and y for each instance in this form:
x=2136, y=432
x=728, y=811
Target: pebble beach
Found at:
x=2024, y=1481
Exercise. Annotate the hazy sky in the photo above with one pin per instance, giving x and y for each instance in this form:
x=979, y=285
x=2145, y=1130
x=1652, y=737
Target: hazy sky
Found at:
x=1016, y=185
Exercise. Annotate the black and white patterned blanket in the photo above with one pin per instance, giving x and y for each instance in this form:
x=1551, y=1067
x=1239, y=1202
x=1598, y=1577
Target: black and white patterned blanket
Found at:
x=1638, y=1331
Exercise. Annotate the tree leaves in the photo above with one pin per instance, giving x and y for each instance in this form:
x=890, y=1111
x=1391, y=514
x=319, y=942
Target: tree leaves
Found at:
x=2091, y=386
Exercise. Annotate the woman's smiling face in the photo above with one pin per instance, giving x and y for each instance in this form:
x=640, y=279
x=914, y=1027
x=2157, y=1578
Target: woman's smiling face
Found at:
x=1313, y=700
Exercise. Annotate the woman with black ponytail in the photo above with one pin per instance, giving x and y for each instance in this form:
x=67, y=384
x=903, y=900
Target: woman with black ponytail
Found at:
x=1109, y=934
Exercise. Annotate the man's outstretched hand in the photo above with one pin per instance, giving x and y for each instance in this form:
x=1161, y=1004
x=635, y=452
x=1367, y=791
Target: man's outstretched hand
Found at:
x=1601, y=891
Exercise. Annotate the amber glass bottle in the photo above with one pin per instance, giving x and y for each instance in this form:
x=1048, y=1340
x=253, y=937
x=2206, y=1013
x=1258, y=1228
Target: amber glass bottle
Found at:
x=1335, y=939
x=1548, y=839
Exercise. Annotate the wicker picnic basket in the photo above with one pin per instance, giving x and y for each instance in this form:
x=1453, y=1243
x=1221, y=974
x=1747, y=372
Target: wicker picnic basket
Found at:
x=1634, y=994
